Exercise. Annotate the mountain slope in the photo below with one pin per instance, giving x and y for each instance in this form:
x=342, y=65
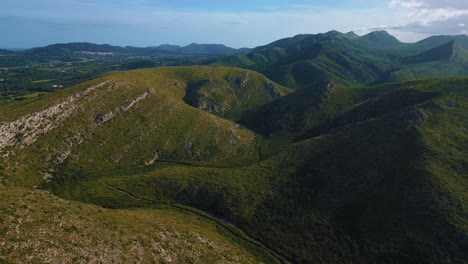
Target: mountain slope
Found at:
x=371, y=185
x=450, y=51
x=434, y=41
x=125, y=121
x=132, y=119
x=306, y=59
x=349, y=59
x=38, y=227
x=325, y=174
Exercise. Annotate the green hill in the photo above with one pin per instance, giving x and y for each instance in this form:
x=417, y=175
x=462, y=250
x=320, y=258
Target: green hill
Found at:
x=133, y=119
x=330, y=173
x=130, y=121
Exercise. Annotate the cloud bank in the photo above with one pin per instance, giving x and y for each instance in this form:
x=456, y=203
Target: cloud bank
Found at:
x=432, y=17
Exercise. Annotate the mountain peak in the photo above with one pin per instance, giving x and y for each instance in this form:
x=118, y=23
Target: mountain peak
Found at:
x=351, y=34
x=381, y=37
x=334, y=32
x=378, y=34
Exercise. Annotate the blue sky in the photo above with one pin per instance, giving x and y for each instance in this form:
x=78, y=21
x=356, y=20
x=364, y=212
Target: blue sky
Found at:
x=241, y=23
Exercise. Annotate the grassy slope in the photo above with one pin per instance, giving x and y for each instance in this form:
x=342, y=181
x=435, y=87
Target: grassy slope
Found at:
x=371, y=185
x=162, y=125
x=223, y=91
x=372, y=174
x=37, y=227
x=80, y=149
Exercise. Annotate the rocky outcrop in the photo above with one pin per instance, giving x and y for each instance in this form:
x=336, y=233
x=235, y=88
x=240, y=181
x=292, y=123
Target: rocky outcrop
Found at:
x=153, y=160
x=25, y=130
x=271, y=88
x=108, y=116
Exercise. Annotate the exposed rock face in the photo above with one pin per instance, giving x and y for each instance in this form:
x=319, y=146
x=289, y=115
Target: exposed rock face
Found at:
x=416, y=116
x=108, y=116
x=153, y=160
x=272, y=90
x=25, y=130
x=239, y=82
x=330, y=88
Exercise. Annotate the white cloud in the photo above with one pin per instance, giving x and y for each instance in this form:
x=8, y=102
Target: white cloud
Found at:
x=430, y=17
x=405, y=4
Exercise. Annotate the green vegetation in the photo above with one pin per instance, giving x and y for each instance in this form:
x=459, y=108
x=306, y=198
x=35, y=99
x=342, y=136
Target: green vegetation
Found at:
x=312, y=202
x=337, y=171
x=38, y=227
x=375, y=58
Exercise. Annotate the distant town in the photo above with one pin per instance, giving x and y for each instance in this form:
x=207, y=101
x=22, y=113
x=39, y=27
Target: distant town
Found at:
x=100, y=53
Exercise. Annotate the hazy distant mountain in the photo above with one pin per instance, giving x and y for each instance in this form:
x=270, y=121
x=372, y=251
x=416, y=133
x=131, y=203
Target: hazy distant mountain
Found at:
x=91, y=48
x=6, y=52
x=202, y=49
x=106, y=49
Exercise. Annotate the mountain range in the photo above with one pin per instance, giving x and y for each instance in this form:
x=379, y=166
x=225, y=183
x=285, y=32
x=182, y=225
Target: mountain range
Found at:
x=162, y=50
x=374, y=58
x=327, y=148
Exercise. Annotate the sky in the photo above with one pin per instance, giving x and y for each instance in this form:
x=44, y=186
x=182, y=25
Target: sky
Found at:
x=240, y=23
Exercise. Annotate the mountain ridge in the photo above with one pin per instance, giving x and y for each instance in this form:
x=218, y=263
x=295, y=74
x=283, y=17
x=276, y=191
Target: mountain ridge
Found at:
x=73, y=47
x=202, y=49
x=374, y=58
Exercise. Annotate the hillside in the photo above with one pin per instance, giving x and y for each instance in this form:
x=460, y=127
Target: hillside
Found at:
x=330, y=173
x=451, y=51
x=371, y=184
x=37, y=227
x=130, y=121
x=135, y=118
x=377, y=57
x=435, y=41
